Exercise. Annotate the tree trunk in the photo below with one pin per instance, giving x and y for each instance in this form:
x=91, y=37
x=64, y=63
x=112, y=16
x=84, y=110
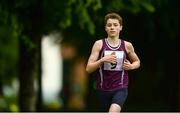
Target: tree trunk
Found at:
x=27, y=71
x=30, y=61
x=39, y=102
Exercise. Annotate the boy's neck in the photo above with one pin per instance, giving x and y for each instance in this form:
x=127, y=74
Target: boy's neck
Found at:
x=113, y=40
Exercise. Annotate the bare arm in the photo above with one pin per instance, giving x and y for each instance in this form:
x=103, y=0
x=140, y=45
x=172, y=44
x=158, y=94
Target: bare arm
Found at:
x=93, y=62
x=134, y=62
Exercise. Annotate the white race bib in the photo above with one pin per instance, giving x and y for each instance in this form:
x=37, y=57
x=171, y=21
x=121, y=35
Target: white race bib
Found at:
x=118, y=65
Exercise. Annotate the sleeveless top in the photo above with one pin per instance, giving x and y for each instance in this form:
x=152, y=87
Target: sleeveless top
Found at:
x=110, y=76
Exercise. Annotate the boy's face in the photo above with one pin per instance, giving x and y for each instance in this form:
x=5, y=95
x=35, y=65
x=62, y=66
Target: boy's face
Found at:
x=113, y=27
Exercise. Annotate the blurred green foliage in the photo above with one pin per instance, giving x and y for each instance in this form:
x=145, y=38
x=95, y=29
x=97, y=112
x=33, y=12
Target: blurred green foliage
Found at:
x=152, y=26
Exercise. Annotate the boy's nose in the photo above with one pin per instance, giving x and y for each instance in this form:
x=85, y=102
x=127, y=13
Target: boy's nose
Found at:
x=112, y=27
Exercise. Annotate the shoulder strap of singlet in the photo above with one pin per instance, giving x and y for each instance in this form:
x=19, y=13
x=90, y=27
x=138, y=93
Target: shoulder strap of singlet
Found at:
x=102, y=48
x=123, y=45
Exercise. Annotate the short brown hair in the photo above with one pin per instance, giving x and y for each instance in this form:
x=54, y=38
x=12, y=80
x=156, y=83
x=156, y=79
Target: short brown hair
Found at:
x=113, y=16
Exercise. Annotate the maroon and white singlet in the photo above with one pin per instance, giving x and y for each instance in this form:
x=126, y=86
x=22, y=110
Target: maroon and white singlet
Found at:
x=111, y=76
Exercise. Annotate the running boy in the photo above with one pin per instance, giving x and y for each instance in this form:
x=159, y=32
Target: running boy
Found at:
x=112, y=58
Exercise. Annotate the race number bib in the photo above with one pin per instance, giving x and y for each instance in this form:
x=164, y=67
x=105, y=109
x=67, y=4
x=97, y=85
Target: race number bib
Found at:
x=114, y=66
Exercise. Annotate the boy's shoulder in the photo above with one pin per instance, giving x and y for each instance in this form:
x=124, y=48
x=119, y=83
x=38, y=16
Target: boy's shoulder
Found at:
x=99, y=41
x=127, y=42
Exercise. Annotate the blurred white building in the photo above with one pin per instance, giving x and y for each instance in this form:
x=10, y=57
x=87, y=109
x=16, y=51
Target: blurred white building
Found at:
x=51, y=68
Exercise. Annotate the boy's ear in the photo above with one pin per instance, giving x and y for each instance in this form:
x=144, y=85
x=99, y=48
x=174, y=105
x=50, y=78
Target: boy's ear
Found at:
x=121, y=27
x=105, y=28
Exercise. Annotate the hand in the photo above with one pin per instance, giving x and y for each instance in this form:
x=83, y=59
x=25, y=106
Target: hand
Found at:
x=110, y=59
x=127, y=65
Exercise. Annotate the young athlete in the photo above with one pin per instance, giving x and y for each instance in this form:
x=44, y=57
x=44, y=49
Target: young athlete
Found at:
x=111, y=58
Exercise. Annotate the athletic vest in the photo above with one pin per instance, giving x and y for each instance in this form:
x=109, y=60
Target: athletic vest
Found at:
x=110, y=76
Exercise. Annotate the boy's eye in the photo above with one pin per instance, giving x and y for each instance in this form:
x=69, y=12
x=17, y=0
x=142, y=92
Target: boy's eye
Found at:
x=109, y=25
